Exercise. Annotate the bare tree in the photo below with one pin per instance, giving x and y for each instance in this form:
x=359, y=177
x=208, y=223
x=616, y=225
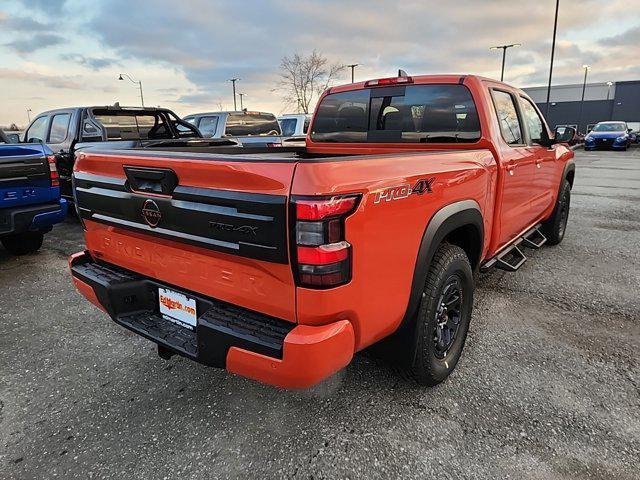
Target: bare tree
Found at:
x=304, y=78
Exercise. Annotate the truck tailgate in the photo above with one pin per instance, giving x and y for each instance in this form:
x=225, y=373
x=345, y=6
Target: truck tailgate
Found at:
x=24, y=176
x=213, y=226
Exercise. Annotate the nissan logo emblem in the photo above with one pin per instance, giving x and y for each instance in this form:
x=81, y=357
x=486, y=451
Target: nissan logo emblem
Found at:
x=151, y=213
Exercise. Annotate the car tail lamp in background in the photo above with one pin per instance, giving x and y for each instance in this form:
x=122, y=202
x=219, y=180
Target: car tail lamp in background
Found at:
x=383, y=82
x=53, y=171
x=322, y=256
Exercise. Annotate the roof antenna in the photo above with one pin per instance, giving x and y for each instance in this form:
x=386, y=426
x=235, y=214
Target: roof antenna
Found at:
x=402, y=73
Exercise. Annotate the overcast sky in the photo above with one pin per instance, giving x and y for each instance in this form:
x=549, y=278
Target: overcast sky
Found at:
x=57, y=53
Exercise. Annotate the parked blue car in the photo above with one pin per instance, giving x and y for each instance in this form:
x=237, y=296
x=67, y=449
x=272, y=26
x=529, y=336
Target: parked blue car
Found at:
x=609, y=135
x=30, y=202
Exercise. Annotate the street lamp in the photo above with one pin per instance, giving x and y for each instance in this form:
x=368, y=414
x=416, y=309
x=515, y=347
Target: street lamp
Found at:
x=353, y=67
x=504, y=54
x=609, y=89
x=233, y=81
x=241, y=95
x=134, y=81
x=29, y=114
x=553, y=51
x=584, y=87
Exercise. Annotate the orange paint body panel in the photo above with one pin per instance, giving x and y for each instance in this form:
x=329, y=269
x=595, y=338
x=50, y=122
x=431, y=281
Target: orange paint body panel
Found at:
x=309, y=355
x=256, y=285
x=84, y=288
x=387, y=233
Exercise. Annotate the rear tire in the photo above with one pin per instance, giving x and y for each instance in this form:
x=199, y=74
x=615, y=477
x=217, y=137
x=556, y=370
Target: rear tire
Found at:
x=442, y=322
x=23, y=243
x=555, y=227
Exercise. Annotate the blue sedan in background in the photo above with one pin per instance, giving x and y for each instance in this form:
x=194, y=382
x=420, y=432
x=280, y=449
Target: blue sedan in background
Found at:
x=614, y=135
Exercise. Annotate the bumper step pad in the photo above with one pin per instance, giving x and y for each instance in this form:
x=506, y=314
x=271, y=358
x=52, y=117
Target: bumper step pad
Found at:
x=131, y=300
x=156, y=328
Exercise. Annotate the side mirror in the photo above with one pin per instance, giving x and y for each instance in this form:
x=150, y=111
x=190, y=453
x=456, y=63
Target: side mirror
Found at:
x=563, y=134
x=629, y=130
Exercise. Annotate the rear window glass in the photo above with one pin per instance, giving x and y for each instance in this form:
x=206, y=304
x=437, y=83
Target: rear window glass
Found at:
x=342, y=117
x=288, y=126
x=239, y=124
x=131, y=126
x=399, y=114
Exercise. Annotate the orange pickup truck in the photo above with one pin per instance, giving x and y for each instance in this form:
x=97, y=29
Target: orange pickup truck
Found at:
x=280, y=264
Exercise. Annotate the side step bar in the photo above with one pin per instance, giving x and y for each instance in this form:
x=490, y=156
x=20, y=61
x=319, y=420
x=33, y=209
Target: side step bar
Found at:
x=534, y=238
x=512, y=258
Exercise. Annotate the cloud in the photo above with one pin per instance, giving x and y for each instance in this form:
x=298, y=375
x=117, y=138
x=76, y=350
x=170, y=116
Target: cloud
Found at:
x=629, y=38
x=35, y=42
x=47, y=6
x=21, y=24
x=51, y=81
x=247, y=40
x=94, y=63
x=202, y=44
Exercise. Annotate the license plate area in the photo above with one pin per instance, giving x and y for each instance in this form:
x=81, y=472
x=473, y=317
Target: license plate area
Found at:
x=178, y=308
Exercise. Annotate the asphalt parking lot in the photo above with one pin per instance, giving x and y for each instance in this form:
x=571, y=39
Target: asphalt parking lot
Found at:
x=548, y=385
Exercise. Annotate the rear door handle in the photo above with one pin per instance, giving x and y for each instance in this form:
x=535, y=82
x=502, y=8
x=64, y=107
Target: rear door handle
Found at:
x=511, y=166
x=538, y=163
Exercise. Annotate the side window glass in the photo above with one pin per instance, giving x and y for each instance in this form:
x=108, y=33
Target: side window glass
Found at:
x=89, y=130
x=59, y=128
x=208, y=126
x=507, y=117
x=533, y=121
x=38, y=130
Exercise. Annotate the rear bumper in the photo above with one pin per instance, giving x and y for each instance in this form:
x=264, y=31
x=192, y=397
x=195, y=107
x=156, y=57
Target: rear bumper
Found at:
x=32, y=218
x=245, y=342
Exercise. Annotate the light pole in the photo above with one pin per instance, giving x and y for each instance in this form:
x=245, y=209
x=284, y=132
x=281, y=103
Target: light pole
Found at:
x=233, y=82
x=504, y=54
x=584, y=87
x=134, y=81
x=241, y=95
x=29, y=114
x=353, y=67
x=553, y=51
x=609, y=89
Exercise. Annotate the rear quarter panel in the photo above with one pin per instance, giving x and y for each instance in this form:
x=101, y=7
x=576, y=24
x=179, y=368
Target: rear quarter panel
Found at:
x=386, y=236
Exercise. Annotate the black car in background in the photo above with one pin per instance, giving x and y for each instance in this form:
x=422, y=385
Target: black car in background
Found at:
x=68, y=130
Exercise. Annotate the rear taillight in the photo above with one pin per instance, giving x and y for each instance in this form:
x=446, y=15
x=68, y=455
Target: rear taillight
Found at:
x=53, y=171
x=322, y=256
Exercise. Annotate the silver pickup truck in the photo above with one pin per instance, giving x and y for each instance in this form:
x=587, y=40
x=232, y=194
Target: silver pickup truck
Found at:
x=251, y=129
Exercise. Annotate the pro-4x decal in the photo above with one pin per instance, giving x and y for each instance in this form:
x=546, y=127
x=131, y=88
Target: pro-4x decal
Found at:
x=421, y=187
